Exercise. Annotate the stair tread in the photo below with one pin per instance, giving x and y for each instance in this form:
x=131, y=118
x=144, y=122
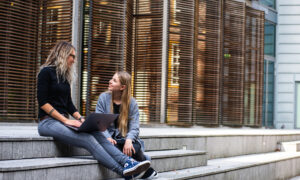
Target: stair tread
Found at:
x=38, y=163
x=221, y=165
x=173, y=153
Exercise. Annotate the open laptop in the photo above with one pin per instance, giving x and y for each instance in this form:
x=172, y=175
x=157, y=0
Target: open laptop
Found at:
x=96, y=122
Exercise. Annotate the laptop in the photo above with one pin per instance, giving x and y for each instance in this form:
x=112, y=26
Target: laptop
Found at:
x=96, y=122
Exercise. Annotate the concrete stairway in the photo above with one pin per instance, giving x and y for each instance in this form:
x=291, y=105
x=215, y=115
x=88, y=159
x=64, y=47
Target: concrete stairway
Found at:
x=30, y=156
x=177, y=153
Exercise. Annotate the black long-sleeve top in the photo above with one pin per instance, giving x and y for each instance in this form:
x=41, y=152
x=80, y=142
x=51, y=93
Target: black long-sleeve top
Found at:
x=56, y=94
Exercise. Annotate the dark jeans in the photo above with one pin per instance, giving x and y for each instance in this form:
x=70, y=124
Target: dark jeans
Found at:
x=102, y=150
x=139, y=154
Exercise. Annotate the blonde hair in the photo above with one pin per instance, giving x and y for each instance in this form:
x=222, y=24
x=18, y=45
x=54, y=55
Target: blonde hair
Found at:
x=58, y=57
x=125, y=79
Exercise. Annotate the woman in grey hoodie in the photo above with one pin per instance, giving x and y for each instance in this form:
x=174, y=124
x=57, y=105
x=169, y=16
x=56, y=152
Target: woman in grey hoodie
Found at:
x=124, y=133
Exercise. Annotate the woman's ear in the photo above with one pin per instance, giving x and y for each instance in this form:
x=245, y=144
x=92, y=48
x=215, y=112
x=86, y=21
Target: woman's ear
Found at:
x=123, y=87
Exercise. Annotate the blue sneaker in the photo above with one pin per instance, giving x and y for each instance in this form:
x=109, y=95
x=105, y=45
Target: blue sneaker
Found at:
x=133, y=167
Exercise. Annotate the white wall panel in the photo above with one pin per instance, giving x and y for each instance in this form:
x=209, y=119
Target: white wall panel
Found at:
x=285, y=107
x=288, y=68
x=285, y=97
x=289, y=29
x=288, y=38
x=287, y=61
x=288, y=58
x=285, y=88
x=290, y=19
x=291, y=9
x=285, y=78
x=288, y=2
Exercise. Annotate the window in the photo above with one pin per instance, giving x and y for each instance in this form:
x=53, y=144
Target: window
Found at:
x=268, y=92
x=269, y=3
x=269, y=38
x=297, y=105
x=175, y=65
x=268, y=99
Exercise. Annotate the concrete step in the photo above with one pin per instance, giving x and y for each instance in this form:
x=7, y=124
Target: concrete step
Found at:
x=81, y=167
x=292, y=146
x=19, y=142
x=276, y=165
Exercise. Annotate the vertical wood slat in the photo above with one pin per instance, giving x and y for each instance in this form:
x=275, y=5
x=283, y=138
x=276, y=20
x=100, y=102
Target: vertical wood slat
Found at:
x=253, y=67
x=207, y=62
x=104, y=48
x=25, y=46
x=233, y=63
x=147, y=63
x=180, y=67
x=55, y=24
x=18, y=60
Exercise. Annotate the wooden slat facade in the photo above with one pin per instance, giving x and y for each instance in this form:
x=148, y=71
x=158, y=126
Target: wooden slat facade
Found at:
x=180, y=62
x=207, y=62
x=147, y=58
x=214, y=64
x=28, y=29
x=232, y=94
x=254, y=59
x=104, y=48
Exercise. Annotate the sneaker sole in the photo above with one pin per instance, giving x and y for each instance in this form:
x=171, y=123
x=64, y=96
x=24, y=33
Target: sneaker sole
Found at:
x=142, y=166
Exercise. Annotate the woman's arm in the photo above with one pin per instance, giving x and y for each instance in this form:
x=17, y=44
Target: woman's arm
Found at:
x=48, y=108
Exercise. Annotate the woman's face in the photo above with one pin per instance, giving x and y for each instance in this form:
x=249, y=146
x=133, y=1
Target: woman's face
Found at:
x=115, y=84
x=71, y=58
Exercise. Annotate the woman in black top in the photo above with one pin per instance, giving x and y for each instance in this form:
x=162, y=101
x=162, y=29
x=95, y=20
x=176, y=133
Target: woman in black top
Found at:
x=54, y=98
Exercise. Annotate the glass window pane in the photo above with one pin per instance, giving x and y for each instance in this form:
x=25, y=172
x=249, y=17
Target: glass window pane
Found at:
x=269, y=3
x=298, y=105
x=268, y=99
x=269, y=39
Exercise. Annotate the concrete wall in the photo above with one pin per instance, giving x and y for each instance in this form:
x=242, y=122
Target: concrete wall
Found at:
x=287, y=66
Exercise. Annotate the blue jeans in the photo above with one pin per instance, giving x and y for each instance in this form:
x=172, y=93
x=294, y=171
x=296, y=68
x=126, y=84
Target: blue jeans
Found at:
x=102, y=150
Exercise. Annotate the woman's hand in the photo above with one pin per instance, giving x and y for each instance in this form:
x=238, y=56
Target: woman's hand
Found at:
x=74, y=123
x=82, y=120
x=111, y=140
x=128, y=148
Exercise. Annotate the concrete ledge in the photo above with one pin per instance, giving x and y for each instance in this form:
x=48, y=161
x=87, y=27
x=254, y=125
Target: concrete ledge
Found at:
x=278, y=165
x=293, y=146
x=177, y=159
x=24, y=142
x=161, y=161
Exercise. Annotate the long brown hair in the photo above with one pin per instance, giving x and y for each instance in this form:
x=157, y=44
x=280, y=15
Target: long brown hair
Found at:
x=58, y=58
x=125, y=79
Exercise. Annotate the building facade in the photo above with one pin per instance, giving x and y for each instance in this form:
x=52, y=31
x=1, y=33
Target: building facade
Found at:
x=195, y=62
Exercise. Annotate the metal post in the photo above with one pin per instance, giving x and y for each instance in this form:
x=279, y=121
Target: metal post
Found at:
x=164, y=62
x=77, y=19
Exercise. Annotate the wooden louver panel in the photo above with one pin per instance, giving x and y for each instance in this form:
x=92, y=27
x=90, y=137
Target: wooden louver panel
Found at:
x=18, y=60
x=253, y=83
x=207, y=62
x=233, y=63
x=180, y=65
x=104, y=46
x=147, y=58
x=55, y=24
